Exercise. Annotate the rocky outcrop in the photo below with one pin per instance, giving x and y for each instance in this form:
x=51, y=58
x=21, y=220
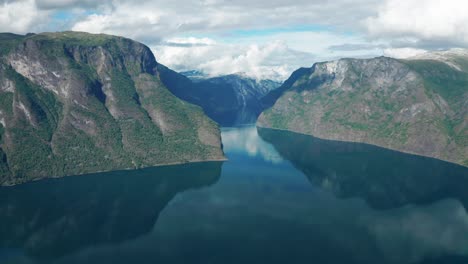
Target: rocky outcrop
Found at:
x=74, y=103
x=418, y=106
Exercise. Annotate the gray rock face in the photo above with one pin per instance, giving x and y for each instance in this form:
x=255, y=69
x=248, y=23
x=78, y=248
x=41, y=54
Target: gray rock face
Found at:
x=74, y=103
x=417, y=106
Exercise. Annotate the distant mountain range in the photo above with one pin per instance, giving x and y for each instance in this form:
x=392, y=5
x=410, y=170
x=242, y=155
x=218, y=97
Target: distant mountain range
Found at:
x=230, y=100
x=195, y=75
x=74, y=103
x=418, y=105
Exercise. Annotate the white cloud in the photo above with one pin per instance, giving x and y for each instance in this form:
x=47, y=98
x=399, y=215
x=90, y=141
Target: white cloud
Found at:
x=266, y=61
x=429, y=20
x=273, y=38
x=274, y=60
x=20, y=16
x=402, y=53
x=320, y=44
x=153, y=20
x=272, y=56
x=248, y=141
x=55, y=4
x=127, y=19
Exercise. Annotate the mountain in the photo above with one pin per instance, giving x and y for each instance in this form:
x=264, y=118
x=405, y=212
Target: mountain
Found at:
x=234, y=99
x=230, y=100
x=195, y=75
x=74, y=103
x=418, y=105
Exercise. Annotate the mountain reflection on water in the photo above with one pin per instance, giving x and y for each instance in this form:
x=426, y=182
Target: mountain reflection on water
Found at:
x=281, y=198
x=384, y=178
x=55, y=217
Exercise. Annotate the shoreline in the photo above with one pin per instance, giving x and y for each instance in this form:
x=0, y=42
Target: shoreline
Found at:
x=118, y=170
x=367, y=143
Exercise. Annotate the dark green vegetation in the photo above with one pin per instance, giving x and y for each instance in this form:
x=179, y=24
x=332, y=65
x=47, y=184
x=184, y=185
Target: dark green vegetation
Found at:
x=416, y=106
x=76, y=212
x=74, y=103
x=229, y=100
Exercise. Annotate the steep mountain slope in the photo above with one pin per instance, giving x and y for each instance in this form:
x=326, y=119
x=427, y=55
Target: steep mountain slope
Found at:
x=418, y=106
x=74, y=103
x=230, y=100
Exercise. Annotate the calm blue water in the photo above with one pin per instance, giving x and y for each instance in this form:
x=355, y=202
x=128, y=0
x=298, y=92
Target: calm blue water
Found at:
x=281, y=198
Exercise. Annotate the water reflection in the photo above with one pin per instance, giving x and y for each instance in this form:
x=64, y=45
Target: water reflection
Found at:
x=245, y=140
x=349, y=206
x=52, y=218
x=415, y=233
x=278, y=228
x=263, y=212
x=384, y=178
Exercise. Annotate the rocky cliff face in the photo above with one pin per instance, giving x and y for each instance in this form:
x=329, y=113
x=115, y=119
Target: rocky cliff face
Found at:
x=417, y=106
x=230, y=100
x=74, y=103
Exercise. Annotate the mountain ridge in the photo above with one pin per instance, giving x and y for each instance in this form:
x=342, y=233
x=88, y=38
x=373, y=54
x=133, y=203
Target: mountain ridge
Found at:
x=76, y=103
x=232, y=99
x=381, y=101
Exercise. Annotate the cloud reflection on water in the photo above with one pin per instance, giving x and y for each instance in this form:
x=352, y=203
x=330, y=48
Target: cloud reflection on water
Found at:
x=247, y=140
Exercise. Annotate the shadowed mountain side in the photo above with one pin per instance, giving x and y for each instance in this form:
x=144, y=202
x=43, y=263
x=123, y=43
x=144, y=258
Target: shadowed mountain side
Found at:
x=52, y=218
x=230, y=100
x=384, y=178
x=269, y=99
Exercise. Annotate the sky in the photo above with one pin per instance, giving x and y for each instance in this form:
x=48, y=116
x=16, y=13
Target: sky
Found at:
x=262, y=38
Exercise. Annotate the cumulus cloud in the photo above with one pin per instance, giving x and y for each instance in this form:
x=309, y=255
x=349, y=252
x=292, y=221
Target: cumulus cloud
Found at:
x=272, y=56
x=151, y=20
x=274, y=60
x=59, y=4
x=273, y=38
x=402, y=53
x=127, y=19
x=159, y=24
x=20, y=16
x=250, y=142
x=427, y=21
